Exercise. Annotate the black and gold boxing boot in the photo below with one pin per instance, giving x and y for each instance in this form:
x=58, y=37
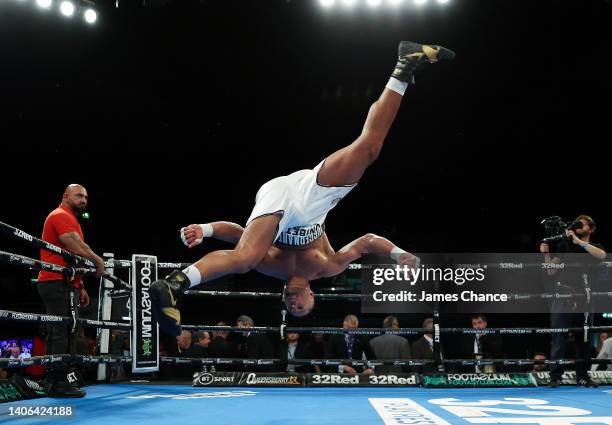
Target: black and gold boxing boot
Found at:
x=166, y=296
x=412, y=55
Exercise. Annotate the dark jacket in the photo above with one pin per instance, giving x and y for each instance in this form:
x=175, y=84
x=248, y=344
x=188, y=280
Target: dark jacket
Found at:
x=317, y=349
x=337, y=349
x=256, y=346
x=221, y=347
x=197, y=351
x=490, y=347
x=302, y=351
x=421, y=350
x=387, y=347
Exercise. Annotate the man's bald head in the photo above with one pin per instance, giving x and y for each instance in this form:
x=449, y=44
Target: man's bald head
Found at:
x=72, y=187
x=75, y=197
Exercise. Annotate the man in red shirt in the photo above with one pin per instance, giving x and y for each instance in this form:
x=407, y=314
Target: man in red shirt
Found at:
x=63, y=229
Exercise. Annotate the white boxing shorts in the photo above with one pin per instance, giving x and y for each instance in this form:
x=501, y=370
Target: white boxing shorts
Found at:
x=303, y=203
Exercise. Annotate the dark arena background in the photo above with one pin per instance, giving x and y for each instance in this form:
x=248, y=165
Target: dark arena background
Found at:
x=173, y=112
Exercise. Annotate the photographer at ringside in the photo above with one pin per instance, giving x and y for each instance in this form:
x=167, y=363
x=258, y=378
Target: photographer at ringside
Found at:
x=576, y=239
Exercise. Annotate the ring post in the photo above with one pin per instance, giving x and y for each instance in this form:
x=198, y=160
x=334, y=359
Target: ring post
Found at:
x=105, y=304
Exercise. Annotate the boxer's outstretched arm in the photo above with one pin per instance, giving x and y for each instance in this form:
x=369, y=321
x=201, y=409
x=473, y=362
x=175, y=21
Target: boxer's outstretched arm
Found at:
x=368, y=244
x=226, y=231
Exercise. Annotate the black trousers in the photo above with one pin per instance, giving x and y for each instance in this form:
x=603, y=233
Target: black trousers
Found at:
x=562, y=346
x=56, y=296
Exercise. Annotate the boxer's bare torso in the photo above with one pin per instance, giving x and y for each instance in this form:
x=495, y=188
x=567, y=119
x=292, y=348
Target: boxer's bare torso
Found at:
x=313, y=261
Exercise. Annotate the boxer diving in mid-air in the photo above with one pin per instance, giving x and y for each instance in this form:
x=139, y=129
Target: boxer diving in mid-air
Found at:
x=285, y=235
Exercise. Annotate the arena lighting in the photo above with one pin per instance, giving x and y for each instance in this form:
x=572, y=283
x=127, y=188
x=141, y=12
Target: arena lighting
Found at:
x=372, y=4
x=45, y=4
x=88, y=11
x=67, y=8
x=327, y=3
x=90, y=15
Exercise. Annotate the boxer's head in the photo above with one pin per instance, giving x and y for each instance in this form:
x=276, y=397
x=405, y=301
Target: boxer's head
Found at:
x=299, y=298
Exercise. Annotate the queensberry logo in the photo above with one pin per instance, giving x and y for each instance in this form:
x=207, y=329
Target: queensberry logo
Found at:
x=254, y=379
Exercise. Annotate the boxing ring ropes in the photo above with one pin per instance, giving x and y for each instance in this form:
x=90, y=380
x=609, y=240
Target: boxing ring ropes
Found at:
x=112, y=286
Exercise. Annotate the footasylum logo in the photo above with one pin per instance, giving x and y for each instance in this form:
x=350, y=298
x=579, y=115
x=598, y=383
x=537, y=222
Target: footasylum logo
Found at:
x=146, y=347
x=145, y=303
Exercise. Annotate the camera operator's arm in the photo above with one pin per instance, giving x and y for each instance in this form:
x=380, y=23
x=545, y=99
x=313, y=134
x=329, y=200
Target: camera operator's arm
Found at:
x=596, y=252
x=544, y=249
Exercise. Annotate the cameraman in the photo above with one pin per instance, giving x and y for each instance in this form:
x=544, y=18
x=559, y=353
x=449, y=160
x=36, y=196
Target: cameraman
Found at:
x=577, y=241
